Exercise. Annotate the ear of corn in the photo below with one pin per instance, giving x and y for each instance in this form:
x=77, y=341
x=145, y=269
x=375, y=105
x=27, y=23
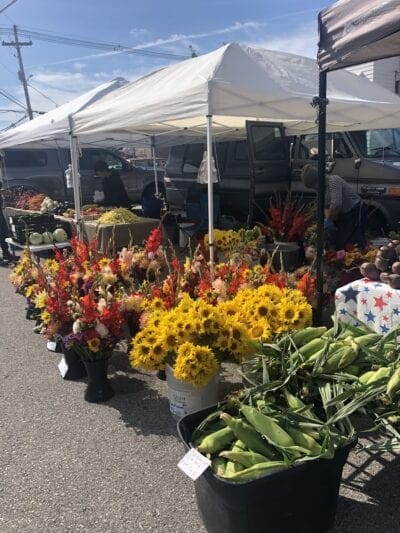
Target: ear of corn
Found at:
x=309, y=349
x=239, y=446
x=216, y=441
x=218, y=466
x=383, y=372
x=394, y=383
x=256, y=471
x=247, y=459
x=232, y=468
x=249, y=436
x=307, y=334
x=304, y=440
x=267, y=427
x=368, y=339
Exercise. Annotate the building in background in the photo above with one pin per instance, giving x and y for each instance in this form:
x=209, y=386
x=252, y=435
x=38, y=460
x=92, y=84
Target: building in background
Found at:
x=385, y=72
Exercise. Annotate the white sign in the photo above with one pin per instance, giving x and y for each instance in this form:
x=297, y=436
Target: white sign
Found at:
x=51, y=346
x=63, y=367
x=193, y=464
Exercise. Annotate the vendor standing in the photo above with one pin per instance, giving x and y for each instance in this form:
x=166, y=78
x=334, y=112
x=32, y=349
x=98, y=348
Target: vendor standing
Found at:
x=115, y=194
x=345, y=212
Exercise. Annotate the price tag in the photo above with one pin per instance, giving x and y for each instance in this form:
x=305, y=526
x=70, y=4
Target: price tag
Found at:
x=51, y=346
x=63, y=367
x=193, y=464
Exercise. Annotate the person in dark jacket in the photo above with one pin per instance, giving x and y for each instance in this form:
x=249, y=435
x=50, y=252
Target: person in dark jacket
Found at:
x=3, y=230
x=114, y=191
x=345, y=212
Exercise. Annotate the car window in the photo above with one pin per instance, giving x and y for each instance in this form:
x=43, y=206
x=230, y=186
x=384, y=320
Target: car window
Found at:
x=268, y=143
x=25, y=158
x=90, y=157
x=309, y=146
x=193, y=157
x=240, y=152
x=175, y=159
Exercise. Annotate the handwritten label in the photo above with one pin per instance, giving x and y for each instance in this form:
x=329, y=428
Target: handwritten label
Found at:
x=193, y=464
x=51, y=346
x=63, y=367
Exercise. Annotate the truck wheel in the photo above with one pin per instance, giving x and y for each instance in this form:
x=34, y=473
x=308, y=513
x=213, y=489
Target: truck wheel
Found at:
x=150, y=191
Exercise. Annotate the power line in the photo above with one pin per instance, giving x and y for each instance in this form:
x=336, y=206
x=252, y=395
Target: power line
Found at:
x=12, y=99
x=42, y=94
x=8, y=5
x=83, y=43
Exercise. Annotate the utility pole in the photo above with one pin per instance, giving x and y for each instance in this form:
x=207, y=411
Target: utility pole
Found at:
x=21, y=73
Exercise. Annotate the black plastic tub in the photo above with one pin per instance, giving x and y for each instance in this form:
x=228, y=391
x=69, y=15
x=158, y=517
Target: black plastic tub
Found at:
x=301, y=499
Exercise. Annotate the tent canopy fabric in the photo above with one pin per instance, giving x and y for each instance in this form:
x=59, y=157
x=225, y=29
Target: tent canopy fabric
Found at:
x=236, y=83
x=53, y=126
x=356, y=31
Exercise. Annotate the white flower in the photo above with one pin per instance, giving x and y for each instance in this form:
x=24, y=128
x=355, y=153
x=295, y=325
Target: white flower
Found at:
x=102, y=304
x=101, y=329
x=76, y=326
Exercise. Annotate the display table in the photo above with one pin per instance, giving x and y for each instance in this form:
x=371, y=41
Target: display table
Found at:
x=111, y=238
x=370, y=302
x=35, y=248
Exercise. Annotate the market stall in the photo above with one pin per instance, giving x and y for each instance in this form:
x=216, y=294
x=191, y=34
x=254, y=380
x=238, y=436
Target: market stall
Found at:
x=215, y=94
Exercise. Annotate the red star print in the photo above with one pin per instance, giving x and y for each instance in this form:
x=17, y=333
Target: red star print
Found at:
x=379, y=302
x=364, y=301
x=389, y=294
x=385, y=318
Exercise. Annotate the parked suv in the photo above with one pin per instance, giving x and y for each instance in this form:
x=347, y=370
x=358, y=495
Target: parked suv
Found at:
x=369, y=160
x=271, y=170
x=42, y=170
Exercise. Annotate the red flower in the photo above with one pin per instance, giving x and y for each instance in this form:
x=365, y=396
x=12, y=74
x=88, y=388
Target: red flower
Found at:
x=154, y=240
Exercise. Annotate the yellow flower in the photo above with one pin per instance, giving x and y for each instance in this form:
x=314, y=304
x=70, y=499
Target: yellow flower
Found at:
x=40, y=299
x=195, y=364
x=94, y=344
x=45, y=317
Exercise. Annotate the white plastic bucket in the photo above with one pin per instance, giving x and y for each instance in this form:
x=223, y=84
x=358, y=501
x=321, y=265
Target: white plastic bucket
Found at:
x=184, y=398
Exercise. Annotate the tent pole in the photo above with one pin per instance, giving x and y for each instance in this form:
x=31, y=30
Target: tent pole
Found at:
x=210, y=196
x=321, y=194
x=153, y=155
x=76, y=179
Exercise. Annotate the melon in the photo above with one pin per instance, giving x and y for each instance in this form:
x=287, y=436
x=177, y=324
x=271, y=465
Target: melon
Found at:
x=47, y=237
x=35, y=238
x=60, y=235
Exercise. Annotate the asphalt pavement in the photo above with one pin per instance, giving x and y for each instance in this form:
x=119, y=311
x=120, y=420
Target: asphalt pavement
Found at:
x=67, y=465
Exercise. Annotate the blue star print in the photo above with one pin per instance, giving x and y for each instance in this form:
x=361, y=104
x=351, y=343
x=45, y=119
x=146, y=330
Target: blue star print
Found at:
x=384, y=328
x=396, y=311
x=366, y=289
x=369, y=316
x=343, y=311
x=350, y=294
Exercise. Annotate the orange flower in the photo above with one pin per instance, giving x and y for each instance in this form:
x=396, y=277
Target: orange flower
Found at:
x=94, y=344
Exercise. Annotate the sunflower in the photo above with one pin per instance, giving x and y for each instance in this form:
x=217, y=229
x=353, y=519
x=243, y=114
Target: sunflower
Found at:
x=94, y=344
x=195, y=364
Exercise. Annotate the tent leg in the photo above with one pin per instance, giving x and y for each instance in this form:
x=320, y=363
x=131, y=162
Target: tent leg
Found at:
x=76, y=179
x=153, y=155
x=210, y=196
x=321, y=194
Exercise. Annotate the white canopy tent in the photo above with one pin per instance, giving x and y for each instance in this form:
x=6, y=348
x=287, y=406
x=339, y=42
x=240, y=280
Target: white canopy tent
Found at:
x=218, y=92
x=54, y=129
x=53, y=126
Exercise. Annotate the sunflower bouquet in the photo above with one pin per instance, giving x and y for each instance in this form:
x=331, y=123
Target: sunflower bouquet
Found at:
x=196, y=336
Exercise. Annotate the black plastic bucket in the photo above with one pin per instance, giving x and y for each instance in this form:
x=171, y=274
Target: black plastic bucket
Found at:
x=301, y=499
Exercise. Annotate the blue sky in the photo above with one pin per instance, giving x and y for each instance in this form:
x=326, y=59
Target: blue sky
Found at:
x=62, y=72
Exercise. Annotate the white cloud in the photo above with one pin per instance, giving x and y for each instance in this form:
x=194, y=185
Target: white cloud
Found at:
x=303, y=42
x=176, y=37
